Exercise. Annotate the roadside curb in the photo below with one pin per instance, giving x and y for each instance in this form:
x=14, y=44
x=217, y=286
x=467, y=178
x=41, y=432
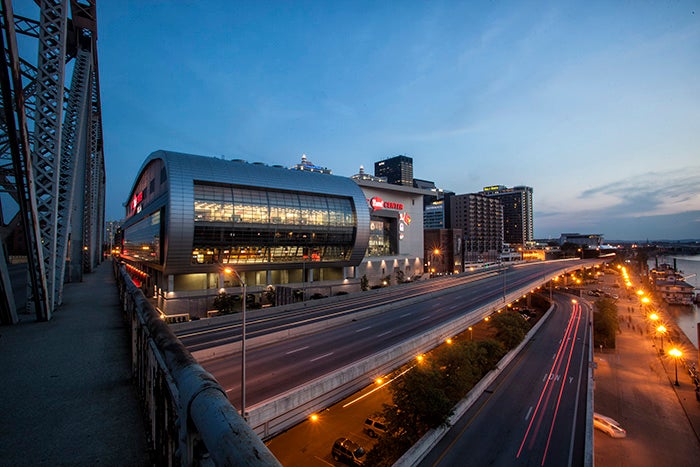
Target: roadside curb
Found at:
x=419, y=450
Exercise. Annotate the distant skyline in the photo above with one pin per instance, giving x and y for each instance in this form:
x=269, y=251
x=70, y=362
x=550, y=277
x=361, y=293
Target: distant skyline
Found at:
x=596, y=105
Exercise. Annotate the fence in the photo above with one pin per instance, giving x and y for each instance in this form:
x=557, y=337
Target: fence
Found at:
x=189, y=419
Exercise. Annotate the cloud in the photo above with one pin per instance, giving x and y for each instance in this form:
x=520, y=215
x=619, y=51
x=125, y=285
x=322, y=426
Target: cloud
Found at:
x=655, y=205
x=651, y=194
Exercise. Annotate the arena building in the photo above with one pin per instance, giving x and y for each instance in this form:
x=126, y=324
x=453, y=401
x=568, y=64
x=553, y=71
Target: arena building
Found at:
x=395, y=250
x=191, y=219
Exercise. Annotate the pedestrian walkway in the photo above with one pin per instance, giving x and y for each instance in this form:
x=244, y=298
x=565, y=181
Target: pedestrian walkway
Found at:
x=634, y=384
x=66, y=396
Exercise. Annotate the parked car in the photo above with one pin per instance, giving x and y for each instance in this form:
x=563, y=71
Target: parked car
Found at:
x=608, y=425
x=374, y=427
x=348, y=451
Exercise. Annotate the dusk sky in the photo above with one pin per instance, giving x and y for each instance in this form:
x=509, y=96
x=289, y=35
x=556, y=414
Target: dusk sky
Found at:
x=595, y=104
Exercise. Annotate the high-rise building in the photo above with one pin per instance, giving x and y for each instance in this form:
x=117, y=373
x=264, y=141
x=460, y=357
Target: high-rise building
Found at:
x=434, y=215
x=481, y=219
x=398, y=170
x=517, y=212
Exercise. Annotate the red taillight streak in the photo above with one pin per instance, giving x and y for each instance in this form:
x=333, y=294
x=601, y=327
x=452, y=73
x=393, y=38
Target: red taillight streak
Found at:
x=561, y=389
x=548, y=387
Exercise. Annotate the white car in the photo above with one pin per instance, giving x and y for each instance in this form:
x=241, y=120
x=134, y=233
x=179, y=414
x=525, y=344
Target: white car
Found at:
x=608, y=425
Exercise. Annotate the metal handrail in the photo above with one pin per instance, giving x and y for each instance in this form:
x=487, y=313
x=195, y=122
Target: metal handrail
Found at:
x=190, y=419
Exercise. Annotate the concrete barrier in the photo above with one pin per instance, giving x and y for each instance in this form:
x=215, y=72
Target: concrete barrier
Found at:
x=275, y=415
x=419, y=450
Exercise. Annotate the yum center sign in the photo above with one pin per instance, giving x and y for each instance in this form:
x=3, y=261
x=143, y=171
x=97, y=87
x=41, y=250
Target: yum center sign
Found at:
x=377, y=203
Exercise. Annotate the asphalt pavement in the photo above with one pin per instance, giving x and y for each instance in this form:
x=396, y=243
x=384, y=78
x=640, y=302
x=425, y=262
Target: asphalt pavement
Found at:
x=66, y=396
x=634, y=384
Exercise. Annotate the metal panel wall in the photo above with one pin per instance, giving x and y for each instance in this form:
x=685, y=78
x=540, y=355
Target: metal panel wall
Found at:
x=184, y=169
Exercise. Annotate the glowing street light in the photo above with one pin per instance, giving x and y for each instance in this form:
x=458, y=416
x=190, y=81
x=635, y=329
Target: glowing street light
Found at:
x=471, y=333
x=661, y=330
x=676, y=354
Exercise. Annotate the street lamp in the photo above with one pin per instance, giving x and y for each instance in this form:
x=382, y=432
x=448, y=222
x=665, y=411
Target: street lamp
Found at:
x=676, y=354
x=245, y=299
x=661, y=330
x=471, y=333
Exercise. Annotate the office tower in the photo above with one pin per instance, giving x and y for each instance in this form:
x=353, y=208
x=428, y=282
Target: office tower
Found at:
x=481, y=219
x=398, y=170
x=517, y=212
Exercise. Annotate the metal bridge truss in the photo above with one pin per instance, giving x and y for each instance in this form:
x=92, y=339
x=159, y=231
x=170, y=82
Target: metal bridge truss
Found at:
x=51, y=151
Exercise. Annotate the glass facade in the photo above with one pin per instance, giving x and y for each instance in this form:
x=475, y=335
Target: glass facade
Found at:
x=142, y=240
x=234, y=225
x=381, y=240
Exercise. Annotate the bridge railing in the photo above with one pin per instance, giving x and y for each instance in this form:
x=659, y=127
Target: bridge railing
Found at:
x=190, y=421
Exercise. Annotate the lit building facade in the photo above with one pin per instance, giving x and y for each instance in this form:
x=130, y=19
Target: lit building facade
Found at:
x=518, y=228
x=398, y=170
x=434, y=215
x=395, y=246
x=190, y=217
x=481, y=219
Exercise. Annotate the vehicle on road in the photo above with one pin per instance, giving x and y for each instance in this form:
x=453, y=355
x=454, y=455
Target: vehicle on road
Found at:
x=348, y=451
x=374, y=426
x=608, y=425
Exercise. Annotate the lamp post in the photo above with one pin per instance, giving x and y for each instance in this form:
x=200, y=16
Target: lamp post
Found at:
x=654, y=318
x=243, y=305
x=661, y=330
x=471, y=333
x=676, y=354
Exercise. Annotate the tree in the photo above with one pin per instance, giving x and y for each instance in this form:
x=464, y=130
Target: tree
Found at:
x=400, y=277
x=420, y=403
x=458, y=369
x=270, y=294
x=364, y=283
x=225, y=303
x=605, y=324
x=511, y=328
x=488, y=353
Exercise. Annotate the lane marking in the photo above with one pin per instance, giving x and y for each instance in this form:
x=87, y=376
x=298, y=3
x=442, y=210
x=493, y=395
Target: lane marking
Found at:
x=384, y=333
x=363, y=329
x=529, y=412
x=406, y=314
x=297, y=350
x=320, y=357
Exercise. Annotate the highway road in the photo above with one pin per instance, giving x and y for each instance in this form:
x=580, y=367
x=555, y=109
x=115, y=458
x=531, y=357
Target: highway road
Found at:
x=534, y=413
x=279, y=367
x=262, y=322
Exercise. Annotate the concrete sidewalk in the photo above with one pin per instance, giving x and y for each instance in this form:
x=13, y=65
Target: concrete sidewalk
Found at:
x=634, y=385
x=66, y=396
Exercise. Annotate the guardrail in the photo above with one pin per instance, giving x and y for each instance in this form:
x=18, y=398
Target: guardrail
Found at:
x=190, y=421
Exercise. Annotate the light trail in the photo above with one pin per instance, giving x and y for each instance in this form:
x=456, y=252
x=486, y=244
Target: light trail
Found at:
x=548, y=387
x=577, y=310
x=357, y=399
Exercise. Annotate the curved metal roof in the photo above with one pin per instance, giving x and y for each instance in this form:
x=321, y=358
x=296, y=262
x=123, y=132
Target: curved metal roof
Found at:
x=184, y=169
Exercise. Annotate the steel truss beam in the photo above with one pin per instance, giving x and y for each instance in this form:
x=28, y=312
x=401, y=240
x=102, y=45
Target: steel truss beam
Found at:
x=18, y=137
x=67, y=158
